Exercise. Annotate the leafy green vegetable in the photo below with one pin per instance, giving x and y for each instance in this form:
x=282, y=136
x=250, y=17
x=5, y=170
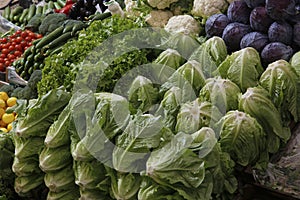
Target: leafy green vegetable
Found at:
x=295, y=62
x=26, y=166
x=6, y=150
x=67, y=195
x=196, y=114
x=94, y=195
x=133, y=146
x=142, y=94
x=27, y=147
x=89, y=174
x=42, y=114
x=25, y=184
x=51, y=22
x=210, y=55
x=53, y=159
x=257, y=103
x=170, y=58
x=242, y=137
x=242, y=67
x=204, y=141
x=282, y=82
x=61, y=180
x=222, y=93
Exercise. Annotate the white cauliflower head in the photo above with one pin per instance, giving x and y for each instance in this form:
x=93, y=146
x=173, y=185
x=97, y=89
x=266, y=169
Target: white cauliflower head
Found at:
x=158, y=18
x=160, y=4
x=183, y=24
x=206, y=8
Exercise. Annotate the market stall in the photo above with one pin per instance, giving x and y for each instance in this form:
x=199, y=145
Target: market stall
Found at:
x=145, y=99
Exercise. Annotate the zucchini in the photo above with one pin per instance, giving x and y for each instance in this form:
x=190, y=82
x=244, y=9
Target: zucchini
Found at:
x=31, y=12
x=24, y=15
x=6, y=13
x=77, y=28
x=60, y=40
x=16, y=11
x=50, y=37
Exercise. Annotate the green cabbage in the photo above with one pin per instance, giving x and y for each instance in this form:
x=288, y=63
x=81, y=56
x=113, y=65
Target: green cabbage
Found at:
x=222, y=93
x=242, y=137
x=58, y=181
x=210, y=55
x=257, y=103
x=242, y=67
x=194, y=115
x=53, y=159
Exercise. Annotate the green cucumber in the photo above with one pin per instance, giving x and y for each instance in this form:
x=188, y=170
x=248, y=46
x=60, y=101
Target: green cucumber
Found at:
x=78, y=27
x=16, y=11
x=51, y=4
x=61, y=3
x=101, y=16
x=6, y=13
x=31, y=12
x=57, y=6
x=39, y=10
x=45, y=8
x=50, y=37
x=68, y=28
x=60, y=40
x=23, y=15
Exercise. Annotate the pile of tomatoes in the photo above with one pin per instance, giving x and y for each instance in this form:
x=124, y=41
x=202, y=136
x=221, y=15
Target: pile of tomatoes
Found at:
x=13, y=46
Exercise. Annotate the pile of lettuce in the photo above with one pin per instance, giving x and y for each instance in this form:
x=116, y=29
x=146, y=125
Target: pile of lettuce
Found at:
x=181, y=137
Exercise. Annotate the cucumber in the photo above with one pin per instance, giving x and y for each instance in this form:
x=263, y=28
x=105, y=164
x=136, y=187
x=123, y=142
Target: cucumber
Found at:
x=77, y=28
x=60, y=40
x=6, y=13
x=61, y=3
x=45, y=8
x=27, y=52
x=68, y=28
x=57, y=6
x=39, y=10
x=23, y=15
x=31, y=12
x=51, y=4
x=101, y=16
x=17, y=11
x=38, y=57
x=16, y=18
x=50, y=37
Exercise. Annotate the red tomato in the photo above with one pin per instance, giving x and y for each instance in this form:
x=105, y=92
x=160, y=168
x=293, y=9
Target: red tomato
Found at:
x=2, y=67
x=23, y=43
x=18, y=47
x=7, y=63
x=13, y=43
x=39, y=36
x=32, y=35
x=5, y=51
x=5, y=46
x=11, y=48
x=11, y=57
x=28, y=39
x=3, y=56
x=24, y=34
x=3, y=40
x=1, y=60
x=18, y=32
x=18, y=53
x=19, y=39
x=29, y=44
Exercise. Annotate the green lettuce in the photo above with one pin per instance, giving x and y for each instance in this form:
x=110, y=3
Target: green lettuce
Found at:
x=210, y=55
x=222, y=93
x=257, y=103
x=27, y=147
x=295, y=62
x=53, y=159
x=282, y=82
x=42, y=114
x=242, y=67
x=142, y=94
x=133, y=146
x=89, y=174
x=194, y=115
x=189, y=77
x=170, y=58
x=65, y=195
x=58, y=181
x=204, y=141
x=93, y=195
x=242, y=137
x=26, y=166
x=24, y=184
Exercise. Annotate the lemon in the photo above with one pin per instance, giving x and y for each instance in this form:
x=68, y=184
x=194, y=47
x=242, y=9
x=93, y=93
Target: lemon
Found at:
x=3, y=96
x=2, y=111
x=2, y=103
x=8, y=117
x=9, y=126
x=11, y=101
x=3, y=130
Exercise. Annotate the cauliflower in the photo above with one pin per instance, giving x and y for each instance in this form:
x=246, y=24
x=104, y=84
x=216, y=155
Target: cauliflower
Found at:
x=206, y=8
x=158, y=18
x=183, y=24
x=160, y=4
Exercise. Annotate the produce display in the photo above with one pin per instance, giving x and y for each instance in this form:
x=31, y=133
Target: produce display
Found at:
x=145, y=100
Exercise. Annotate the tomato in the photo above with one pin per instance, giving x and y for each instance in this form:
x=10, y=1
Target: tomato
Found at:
x=13, y=43
x=5, y=46
x=39, y=36
x=18, y=32
x=1, y=60
x=19, y=40
x=5, y=51
x=29, y=44
x=18, y=47
x=3, y=40
x=11, y=48
x=7, y=63
x=3, y=56
x=2, y=67
x=11, y=57
x=18, y=53
x=24, y=34
x=32, y=35
x=28, y=39
x=23, y=43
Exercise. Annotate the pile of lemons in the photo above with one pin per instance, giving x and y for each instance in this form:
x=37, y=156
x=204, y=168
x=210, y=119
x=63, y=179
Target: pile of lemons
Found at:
x=6, y=119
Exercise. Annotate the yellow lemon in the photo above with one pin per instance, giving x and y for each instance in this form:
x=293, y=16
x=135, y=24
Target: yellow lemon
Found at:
x=9, y=126
x=3, y=96
x=2, y=103
x=11, y=101
x=8, y=117
x=2, y=111
x=3, y=130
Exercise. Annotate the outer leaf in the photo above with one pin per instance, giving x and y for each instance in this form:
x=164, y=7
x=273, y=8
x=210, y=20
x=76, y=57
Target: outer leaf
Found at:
x=24, y=184
x=222, y=93
x=295, y=62
x=26, y=167
x=175, y=163
x=194, y=115
x=242, y=67
x=67, y=195
x=281, y=81
x=93, y=195
x=257, y=103
x=28, y=147
x=170, y=58
x=132, y=148
x=210, y=55
x=242, y=137
x=42, y=114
